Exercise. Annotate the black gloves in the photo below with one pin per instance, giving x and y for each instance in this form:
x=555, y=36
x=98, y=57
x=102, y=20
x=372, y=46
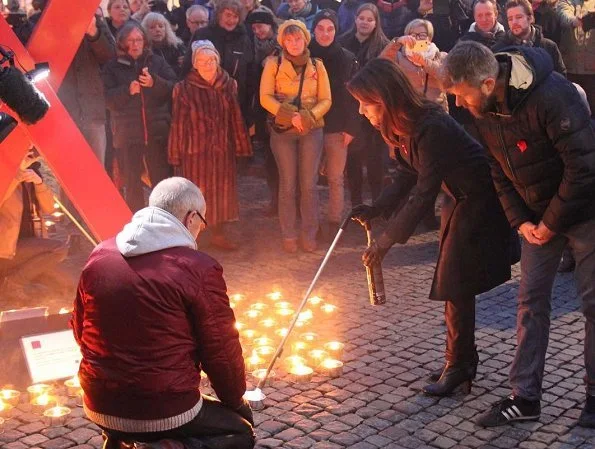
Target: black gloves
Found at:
x=364, y=213
x=377, y=250
x=245, y=412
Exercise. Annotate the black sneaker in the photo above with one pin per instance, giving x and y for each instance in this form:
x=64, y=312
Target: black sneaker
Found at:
x=512, y=408
x=587, y=418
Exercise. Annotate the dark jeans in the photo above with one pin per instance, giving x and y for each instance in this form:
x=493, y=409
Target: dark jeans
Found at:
x=538, y=269
x=216, y=426
x=131, y=167
x=34, y=257
x=369, y=149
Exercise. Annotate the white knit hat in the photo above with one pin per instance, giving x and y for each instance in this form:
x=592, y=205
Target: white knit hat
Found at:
x=204, y=45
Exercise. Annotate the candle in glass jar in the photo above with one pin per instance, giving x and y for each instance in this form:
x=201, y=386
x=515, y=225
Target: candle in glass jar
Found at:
x=299, y=346
x=56, y=416
x=301, y=373
x=253, y=314
x=306, y=315
x=72, y=386
x=331, y=367
x=249, y=333
x=259, y=374
x=283, y=305
x=10, y=396
x=335, y=348
x=237, y=297
x=284, y=312
x=294, y=360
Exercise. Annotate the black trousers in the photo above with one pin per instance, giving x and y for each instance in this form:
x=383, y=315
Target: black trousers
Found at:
x=215, y=426
x=459, y=315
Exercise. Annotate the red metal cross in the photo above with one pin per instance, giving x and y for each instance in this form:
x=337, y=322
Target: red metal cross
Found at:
x=56, y=39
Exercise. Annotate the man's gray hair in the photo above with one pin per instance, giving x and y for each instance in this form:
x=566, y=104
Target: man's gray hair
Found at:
x=194, y=8
x=178, y=196
x=471, y=63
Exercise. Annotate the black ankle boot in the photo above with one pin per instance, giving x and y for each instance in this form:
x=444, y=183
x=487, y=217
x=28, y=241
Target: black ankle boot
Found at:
x=453, y=376
x=435, y=375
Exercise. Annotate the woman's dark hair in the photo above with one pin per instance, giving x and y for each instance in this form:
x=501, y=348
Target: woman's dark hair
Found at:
x=381, y=82
x=378, y=39
x=125, y=31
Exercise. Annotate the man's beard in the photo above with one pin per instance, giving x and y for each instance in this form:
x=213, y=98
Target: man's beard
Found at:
x=486, y=104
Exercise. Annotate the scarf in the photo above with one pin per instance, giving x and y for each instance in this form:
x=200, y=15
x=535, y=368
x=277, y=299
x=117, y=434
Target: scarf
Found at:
x=297, y=61
x=490, y=34
x=304, y=12
x=330, y=55
x=222, y=80
x=264, y=48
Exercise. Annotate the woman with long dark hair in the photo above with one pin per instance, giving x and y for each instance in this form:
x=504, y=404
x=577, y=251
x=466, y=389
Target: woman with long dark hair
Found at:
x=432, y=150
x=366, y=40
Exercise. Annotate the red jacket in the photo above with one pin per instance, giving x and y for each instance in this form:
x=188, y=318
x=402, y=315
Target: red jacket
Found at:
x=146, y=325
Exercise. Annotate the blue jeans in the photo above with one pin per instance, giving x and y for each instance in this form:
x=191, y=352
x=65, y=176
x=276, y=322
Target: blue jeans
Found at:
x=336, y=156
x=298, y=155
x=538, y=269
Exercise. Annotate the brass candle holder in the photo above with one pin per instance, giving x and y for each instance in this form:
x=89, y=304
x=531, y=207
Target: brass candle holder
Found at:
x=9, y=396
x=6, y=410
x=73, y=386
x=56, y=416
x=301, y=374
x=331, y=368
x=259, y=374
x=335, y=349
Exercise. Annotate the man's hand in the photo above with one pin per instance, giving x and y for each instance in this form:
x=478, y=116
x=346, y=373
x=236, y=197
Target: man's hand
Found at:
x=245, y=412
x=376, y=251
x=134, y=88
x=145, y=79
x=526, y=230
x=29, y=176
x=543, y=233
x=363, y=213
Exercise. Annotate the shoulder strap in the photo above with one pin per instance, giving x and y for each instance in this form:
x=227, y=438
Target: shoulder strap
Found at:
x=298, y=99
x=278, y=64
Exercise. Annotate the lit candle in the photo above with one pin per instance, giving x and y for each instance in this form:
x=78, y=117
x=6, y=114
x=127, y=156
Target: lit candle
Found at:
x=239, y=325
x=309, y=336
x=282, y=332
x=37, y=390
x=331, y=367
x=64, y=311
x=57, y=215
x=73, y=386
x=284, y=312
x=299, y=346
x=264, y=350
x=317, y=356
x=237, y=297
x=335, y=348
x=283, y=305
x=56, y=416
x=328, y=308
x=253, y=314
x=263, y=341
x=306, y=315
x=258, y=306
x=5, y=409
x=315, y=300
x=41, y=402
x=268, y=322
x=274, y=296
x=259, y=374
x=294, y=360
x=249, y=333
x=255, y=398
x=10, y=396
x=301, y=373
x=254, y=362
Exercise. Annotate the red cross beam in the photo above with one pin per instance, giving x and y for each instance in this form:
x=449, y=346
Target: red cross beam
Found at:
x=56, y=39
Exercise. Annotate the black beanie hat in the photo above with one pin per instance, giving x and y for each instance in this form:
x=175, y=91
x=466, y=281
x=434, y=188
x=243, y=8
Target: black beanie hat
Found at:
x=261, y=15
x=328, y=14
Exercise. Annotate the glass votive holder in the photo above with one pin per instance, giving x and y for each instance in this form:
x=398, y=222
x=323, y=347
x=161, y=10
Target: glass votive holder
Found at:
x=263, y=341
x=299, y=346
x=56, y=416
x=9, y=396
x=268, y=323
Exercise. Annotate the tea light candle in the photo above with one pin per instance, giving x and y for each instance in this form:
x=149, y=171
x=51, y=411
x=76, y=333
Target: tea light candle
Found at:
x=64, y=311
x=38, y=390
x=249, y=333
x=80, y=398
x=282, y=332
x=306, y=315
x=294, y=360
x=335, y=348
x=301, y=373
x=309, y=336
x=284, y=312
x=264, y=350
x=254, y=362
x=275, y=296
x=315, y=300
x=237, y=297
x=258, y=306
x=255, y=398
x=73, y=386
x=41, y=402
x=317, y=356
x=263, y=341
x=299, y=346
x=332, y=368
x=283, y=305
x=56, y=416
x=253, y=314
x=239, y=325
x=259, y=374
x=5, y=410
x=328, y=308
x=10, y=396
x=268, y=323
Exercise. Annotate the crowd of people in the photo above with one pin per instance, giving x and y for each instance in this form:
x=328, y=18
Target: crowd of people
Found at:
x=491, y=104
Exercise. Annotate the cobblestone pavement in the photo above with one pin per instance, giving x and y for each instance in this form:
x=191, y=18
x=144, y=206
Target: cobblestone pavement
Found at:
x=389, y=351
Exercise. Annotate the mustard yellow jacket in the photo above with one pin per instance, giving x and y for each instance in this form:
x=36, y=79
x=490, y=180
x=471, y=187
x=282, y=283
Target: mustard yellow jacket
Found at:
x=282, y=85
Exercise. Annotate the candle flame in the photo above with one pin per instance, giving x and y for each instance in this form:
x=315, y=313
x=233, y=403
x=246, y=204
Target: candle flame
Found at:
x=309, y=336
x=282, y=332
x=315, y=300
x=249, y=333
x=43, y=399
x=239, y=325
x=306, y=315
x=275, y=296
x=63, y=311
x=258, y=306
x=49, y=223
x=283, y=305
x=269, y=322
x=237, y=297
x=301, y=370
x=329, y=308
x=331, y=363
x=8, y=394
x=285, y=312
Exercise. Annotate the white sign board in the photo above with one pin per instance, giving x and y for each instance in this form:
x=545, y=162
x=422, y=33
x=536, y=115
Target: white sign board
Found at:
x=51, y=356
x=22, y=314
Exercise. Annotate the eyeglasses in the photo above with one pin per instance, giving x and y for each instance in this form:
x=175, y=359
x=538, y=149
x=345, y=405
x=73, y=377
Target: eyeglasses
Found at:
x=208, y=63
x=190, y=212
x=199, y=22
x=419, y=36
x=139, y=40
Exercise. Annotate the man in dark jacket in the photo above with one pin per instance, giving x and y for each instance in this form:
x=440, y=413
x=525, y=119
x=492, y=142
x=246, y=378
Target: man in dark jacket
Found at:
x=151, y=312
x=522, y=32
x=486, y=29
x=542, y=144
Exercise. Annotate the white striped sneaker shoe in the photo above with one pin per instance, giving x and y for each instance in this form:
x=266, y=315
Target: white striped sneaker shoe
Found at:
x=512, y=408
